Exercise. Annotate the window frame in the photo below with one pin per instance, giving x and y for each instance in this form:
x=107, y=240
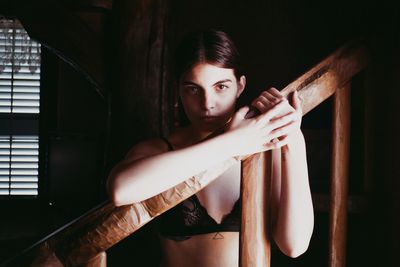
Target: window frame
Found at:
x=33, y=200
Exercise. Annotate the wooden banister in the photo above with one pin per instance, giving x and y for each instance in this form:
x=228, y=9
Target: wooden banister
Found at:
x=97, y=231
x=339, y=178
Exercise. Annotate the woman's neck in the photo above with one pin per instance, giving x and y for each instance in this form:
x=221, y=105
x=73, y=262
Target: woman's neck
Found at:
x=196, y=134
x=189, y=135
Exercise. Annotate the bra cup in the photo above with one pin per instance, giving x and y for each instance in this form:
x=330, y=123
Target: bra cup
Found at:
x=235, y=207
x=191, y=218
x=189, y=205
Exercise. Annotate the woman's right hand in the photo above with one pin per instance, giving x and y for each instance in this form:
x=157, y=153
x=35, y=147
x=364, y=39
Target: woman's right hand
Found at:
x=261, y=133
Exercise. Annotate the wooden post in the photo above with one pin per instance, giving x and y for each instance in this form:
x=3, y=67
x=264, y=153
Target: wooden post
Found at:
x=339, y=178
x=254, y=246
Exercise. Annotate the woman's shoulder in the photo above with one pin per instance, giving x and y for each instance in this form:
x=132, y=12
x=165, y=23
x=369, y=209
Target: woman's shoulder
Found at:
x=154, y=146
x=147, y=148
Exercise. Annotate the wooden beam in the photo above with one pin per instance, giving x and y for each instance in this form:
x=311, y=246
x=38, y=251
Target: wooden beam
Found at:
x=139, y=90
x=321, y=81
x=339, y=178
x=255, y=247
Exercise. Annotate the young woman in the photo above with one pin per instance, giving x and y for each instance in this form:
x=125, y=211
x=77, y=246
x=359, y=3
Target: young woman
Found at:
x=204, y=229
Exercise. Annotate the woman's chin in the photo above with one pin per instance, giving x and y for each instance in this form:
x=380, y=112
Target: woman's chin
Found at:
x=209, y=127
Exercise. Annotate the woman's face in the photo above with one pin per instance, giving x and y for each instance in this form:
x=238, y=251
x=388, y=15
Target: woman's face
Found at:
x=209, y=94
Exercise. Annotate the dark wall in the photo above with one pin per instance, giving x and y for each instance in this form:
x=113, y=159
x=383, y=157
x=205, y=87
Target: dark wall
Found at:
x=384, y=86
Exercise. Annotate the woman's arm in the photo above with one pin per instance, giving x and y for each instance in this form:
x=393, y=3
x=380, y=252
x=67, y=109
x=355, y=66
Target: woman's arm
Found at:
x=291, y=203
x=143, y=174
x=140, y=176
x=294, y=221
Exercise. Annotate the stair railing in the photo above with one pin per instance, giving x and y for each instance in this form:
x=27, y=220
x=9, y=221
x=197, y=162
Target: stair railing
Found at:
x=84, y=242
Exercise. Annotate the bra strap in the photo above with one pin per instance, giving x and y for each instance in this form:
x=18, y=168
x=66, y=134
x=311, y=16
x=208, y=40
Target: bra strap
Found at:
x=170, y=147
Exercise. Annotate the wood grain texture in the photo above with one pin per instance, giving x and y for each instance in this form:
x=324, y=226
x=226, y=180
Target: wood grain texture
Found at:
x=339, y=178
x=255, y=247
x=100, y=260
x=138, y=95
x=321, y=81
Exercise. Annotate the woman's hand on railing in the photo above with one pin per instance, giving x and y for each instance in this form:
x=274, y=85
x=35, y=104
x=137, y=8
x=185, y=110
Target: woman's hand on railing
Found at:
x=269, y=98
x=249, y=136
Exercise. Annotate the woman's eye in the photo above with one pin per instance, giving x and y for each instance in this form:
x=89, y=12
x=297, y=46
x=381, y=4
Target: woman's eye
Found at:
x=192, y=90
x=222, y=86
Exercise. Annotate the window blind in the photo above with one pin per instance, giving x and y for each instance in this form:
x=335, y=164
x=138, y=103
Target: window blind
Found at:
x=19, y=73
x=19, y=93
x=19, y=164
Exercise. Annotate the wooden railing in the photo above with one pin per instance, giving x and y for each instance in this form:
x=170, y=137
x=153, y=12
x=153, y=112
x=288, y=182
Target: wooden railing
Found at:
x=331, y=76
x=84, y=242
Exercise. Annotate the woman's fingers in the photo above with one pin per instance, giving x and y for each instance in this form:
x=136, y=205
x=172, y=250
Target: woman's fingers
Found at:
x=283, y=130
x=271, y=97
x=276, y=143
x=261, y=106
x=281, y=121
x=275, y=92
x=241, y=113
x=267, y=99
x=262, y=103
x=275, y=111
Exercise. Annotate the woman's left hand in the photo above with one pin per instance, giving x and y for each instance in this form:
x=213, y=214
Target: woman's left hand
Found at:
x=271, y=97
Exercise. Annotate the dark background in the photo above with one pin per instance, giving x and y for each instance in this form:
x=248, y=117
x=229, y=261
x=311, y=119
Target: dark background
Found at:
x=104, y=91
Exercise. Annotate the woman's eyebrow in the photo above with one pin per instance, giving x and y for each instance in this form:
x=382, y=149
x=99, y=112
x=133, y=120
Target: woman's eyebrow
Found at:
x=218, y=82
x=190, y=83
x=222, y=81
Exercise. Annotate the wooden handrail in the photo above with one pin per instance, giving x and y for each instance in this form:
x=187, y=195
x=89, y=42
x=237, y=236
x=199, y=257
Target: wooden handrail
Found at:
x=96, y=232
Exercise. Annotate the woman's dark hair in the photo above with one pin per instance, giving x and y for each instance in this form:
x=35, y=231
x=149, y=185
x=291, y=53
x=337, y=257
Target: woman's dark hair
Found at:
x=209, y=46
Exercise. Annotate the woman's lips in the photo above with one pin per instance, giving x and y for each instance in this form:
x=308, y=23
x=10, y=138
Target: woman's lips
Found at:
x=208, y=118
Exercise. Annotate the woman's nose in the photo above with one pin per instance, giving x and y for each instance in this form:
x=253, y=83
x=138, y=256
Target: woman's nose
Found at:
x=208, y=101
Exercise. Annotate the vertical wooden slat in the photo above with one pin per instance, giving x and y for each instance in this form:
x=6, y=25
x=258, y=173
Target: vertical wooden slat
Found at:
x=339, y=178
x=254, y=248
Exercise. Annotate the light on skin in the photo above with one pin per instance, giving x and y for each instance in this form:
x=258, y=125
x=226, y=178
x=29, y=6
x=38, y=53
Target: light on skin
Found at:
x=209, y=93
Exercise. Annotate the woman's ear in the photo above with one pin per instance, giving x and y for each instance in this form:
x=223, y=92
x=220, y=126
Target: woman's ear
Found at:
x=241, y=85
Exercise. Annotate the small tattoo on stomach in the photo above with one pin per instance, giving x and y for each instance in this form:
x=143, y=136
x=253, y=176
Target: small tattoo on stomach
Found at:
x=218, y=235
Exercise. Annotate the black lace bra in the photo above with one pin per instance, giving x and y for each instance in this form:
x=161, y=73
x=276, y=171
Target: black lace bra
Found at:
x=190, y=218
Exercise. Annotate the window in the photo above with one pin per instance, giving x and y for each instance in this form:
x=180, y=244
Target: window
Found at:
x=19, y=110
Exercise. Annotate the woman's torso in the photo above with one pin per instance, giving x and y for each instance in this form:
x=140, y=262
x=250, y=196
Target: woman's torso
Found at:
x=220, y=202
